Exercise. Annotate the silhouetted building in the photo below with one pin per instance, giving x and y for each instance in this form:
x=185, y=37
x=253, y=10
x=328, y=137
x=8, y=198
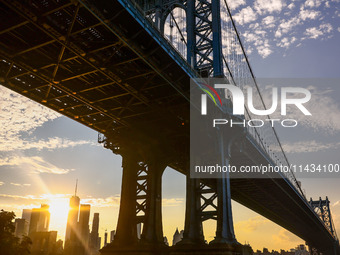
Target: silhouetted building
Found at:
x=100, y=242
x=112, y=236
x=43, y=243
x=105, y=238
x=72, y=219
x=58, y=248
x=166, y=241
x=84, y=218
x=21, y=228
x=300, y=250
x=94, y=236
x=26, y=214
x=177, y=236
x=40, y=219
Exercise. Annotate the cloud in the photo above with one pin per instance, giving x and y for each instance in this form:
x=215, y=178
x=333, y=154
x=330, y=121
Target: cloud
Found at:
x=16, y=143
x=313, y=3
x=33, y=164
x=336, y=203
x=291, y=6
x=264, y=50
x=20, y=185
x=172, y=201
x=112, y=201
x=284, y=236
x=308, y=146
x=258, y=39
x=235, y=4
x=246, y=15
x=309, y=14
x=34, y=197
x=16, y=203
x=324, y=109
x=115, y=201
x=268, y=6
x=20, y=115
x=286, y=42
x=251, y=224
x=282, y=19
x=286, y=26
x=269, y=21
x=316, y=32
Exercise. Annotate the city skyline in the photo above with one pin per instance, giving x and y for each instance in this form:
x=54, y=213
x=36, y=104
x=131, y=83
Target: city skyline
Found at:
x=43, y=153
x=35, y=223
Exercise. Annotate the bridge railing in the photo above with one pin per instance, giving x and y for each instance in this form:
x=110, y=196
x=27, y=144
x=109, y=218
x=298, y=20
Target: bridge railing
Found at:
x=238, y=71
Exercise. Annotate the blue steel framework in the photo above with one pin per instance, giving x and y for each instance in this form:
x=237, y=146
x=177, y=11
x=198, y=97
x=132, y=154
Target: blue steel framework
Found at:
x=211, y=52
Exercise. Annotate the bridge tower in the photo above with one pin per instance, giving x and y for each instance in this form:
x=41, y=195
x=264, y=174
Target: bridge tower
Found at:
x=322, y=208
x=143, y=165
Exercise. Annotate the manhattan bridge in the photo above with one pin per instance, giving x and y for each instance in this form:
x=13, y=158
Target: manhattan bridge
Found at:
x=123, y=68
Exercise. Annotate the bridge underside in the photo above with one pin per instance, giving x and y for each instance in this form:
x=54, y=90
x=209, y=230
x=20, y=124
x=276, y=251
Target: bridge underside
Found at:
x=99, y=66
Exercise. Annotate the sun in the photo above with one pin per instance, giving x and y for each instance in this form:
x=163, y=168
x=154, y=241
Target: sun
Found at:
x=59, y=208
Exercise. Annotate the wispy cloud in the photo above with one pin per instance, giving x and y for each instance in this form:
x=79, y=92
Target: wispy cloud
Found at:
x=20, y=185
x=18, y=144
x=274, y=22
x=308, y=146
x=306, y=14
x=268, y=6
x=236, y=3
x=34, y=165
x=316, y=32
x=251, y=224
x=112, y=201
x=44, y=197
x=172, y=201
x=285, y=237
x=324, y=109
x=245, y=16
x=20, y=115
x=313, y=3
x=336, y=203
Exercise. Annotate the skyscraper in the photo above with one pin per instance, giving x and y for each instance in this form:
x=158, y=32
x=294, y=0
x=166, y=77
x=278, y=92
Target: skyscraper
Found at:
x=105, y=238
x=84, y=218
x=178, y=236
x=40, y=219
x=21, y=227
x=94, y=236
x=26, y=214
x=72, y=218
x=112, y=235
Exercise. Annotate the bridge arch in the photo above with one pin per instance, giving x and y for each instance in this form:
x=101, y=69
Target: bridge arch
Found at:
x=173, y=26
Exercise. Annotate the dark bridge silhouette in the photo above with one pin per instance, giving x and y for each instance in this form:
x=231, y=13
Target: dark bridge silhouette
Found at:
x=118, y=67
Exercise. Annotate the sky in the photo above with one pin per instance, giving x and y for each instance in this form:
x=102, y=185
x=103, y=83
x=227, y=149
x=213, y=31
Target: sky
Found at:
x=43, y=153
